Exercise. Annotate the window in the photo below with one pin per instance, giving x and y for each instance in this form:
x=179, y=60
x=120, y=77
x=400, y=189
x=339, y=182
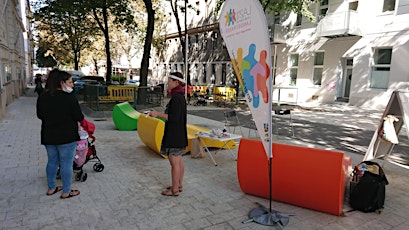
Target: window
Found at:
x=353, y=6
x=214, y=41
x=195, y=74
x=381, y=68
x=204, y=43
x=277, y=18
x=223, y=74
x=189, y=43
x=318, y=67
x=273, y=68
x=213, y=78
x=388, y=5
x=293, y=68
x=204, y=73
x=196, y=42
x=2, y=75
x=8, y=73
x=323, y=9
x=299, y=20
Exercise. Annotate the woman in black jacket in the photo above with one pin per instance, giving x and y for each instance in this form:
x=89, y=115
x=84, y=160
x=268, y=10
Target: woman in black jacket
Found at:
x=174, y=140
x=60, y=113
x=39, y=85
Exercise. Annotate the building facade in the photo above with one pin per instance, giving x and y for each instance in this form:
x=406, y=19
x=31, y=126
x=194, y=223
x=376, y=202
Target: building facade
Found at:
x=15, y=51
x=353, y=52
x=208, y=60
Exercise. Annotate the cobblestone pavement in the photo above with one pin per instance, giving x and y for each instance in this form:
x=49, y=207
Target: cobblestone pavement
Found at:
x=126, y=195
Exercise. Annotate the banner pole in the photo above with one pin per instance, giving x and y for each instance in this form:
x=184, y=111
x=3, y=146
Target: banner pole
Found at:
x=270, y=123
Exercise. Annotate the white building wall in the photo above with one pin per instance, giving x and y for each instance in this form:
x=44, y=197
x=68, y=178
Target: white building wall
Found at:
x=379, y=29
x=376, y=29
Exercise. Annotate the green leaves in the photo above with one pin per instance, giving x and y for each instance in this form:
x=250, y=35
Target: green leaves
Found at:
x=279, y=6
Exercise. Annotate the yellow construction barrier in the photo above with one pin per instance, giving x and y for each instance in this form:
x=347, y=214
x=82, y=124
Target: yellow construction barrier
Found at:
x=222, y=93
x=120, y=93
x=199, y=89
x=150, y=131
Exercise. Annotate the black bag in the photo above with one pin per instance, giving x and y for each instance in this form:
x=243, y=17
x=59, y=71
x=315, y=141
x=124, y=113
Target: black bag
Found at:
x=367, y=189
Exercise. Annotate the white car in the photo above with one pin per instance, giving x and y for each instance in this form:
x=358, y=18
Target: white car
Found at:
x=132, y=82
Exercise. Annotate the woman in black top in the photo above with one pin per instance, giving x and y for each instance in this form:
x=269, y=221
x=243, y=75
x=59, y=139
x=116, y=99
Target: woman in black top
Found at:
x=60, y=113
x=174, y=140
x=39, y=85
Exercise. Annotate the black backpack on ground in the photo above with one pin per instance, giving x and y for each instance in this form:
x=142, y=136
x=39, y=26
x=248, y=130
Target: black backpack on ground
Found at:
x=367, y=188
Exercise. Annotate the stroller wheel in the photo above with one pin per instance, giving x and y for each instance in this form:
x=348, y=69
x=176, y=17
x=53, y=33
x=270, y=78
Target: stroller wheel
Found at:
x=81, y=176
x=98, y=167
x=78, y=176
x=84, y=177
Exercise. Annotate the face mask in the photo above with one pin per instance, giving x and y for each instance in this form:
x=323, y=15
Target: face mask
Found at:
x=67, y=89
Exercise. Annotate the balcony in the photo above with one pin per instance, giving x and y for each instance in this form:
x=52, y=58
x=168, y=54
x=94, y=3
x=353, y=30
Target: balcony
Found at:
x=339, y=24
x=277, y=33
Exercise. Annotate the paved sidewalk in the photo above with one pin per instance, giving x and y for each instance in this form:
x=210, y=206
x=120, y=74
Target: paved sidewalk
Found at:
x=126, y=195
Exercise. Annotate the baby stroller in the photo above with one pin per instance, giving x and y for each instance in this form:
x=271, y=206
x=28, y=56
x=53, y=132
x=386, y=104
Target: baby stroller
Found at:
x=200, y=101
x=86, y=151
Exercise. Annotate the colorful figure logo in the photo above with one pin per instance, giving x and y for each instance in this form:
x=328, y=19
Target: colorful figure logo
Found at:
x=254, y=73
x=230, y=17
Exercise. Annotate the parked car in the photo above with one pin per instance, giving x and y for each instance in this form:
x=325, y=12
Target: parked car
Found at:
x=75, y=74
x=79, y=84
x=96, y=78
x=131, y=82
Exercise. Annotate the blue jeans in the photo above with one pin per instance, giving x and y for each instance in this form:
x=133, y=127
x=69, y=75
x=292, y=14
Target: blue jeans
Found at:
x=63, y=156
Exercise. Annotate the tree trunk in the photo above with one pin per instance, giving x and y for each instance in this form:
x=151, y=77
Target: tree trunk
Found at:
x=181, y=36
x=76, y=61
x=96, y=65
x=107, y=46
x=104, y=29
x=141, y=99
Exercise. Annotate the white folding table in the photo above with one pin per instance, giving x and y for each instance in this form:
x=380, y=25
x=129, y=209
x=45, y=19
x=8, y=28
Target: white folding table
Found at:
x=225, y=138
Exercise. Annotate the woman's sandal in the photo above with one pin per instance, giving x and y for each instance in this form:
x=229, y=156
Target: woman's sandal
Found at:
x=71, y=194
x=57, y=189
x=169, y=192
x=180, y=188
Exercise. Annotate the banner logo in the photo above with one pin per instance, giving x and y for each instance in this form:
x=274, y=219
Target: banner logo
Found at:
x=230, y=17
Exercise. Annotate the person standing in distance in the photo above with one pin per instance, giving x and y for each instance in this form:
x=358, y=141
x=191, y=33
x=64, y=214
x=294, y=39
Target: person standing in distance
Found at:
x=39, y=84
x=59, y=112
x=174, y=140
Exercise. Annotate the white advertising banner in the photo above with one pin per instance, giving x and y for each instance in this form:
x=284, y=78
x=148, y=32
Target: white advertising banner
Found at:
x=243, y=26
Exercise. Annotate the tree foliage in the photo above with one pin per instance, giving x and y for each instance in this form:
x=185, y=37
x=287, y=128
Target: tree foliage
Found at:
x=65, y=28
x=42, y=60
x=123, y=16
x=279, y=6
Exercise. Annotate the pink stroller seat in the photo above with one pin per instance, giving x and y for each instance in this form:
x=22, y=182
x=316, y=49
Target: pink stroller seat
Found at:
x=82, y=149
